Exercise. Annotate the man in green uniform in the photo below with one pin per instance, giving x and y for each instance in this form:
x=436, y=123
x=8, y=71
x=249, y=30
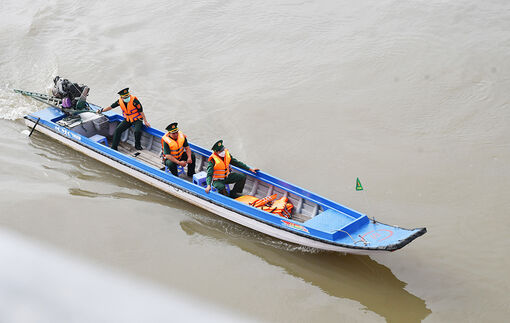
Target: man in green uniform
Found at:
x=219, y=172
x=133, y=114
x=176, y=150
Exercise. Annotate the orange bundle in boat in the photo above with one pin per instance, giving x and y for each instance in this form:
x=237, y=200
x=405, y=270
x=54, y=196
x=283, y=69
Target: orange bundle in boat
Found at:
x=247, y=199
x=281, y=206
x=264, y=201
x=270, y=204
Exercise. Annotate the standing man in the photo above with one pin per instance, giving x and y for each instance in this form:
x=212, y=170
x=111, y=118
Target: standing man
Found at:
x=219, y=172
x=176, y=150
x=133, y=114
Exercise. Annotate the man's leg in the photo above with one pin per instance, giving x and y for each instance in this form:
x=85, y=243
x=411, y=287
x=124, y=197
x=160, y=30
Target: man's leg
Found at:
x=118, y=131
x=191, y=167
x=172, y=167
x=220, y=186
x=138, y=133
x=239, y=180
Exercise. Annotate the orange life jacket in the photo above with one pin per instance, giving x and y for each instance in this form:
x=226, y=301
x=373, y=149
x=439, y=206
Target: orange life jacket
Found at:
x=176, y=146
x=281, y=206
x=221, y=166
x=247, y=199
x=264, y=201
x=130, y=112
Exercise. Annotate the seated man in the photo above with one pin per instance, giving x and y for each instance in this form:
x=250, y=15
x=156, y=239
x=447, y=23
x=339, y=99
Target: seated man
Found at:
x=176, y=150
x=219, y=172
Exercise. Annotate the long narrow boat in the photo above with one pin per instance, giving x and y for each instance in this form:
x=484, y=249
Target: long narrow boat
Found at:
x=315, y=221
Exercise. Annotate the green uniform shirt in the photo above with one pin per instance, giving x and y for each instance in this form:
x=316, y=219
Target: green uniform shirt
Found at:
x=233, y=161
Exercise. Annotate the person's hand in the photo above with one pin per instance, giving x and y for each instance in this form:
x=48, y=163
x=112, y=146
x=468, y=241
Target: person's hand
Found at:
x=254, y=170
x=207, y=189
x=189, y=161
x=99, y=111
x=147, y=124
x=182, y=163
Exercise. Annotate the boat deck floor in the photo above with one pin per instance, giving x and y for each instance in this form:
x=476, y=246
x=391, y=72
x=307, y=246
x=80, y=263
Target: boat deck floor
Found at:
x=146, y=156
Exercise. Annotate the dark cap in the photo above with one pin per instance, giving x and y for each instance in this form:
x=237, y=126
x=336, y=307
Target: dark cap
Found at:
x=124, y=91
x=172, y=127
x=218, y=146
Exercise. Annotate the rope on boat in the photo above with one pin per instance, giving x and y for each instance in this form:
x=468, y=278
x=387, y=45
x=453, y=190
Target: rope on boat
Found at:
x=362, y=240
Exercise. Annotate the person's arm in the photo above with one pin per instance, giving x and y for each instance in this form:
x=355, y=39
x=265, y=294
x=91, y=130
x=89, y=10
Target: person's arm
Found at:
x=208, y=179
x=242, y=165
x=112, y=106
x=138, y=105
x=145, y=122
x=188, y=150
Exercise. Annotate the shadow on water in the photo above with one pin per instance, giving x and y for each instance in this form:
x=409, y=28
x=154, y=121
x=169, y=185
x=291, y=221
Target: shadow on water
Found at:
x=354, y=277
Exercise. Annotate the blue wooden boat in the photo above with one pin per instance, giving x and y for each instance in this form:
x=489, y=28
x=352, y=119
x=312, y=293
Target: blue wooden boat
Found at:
x=316, y=222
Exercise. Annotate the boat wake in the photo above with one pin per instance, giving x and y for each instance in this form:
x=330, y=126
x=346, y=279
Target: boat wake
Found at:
x=14, y=106
x=221, y=229
x=285, y=246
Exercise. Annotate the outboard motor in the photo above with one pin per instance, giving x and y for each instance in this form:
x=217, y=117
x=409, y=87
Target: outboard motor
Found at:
x=66, y=103
x=70, y=93
x=60, y=87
